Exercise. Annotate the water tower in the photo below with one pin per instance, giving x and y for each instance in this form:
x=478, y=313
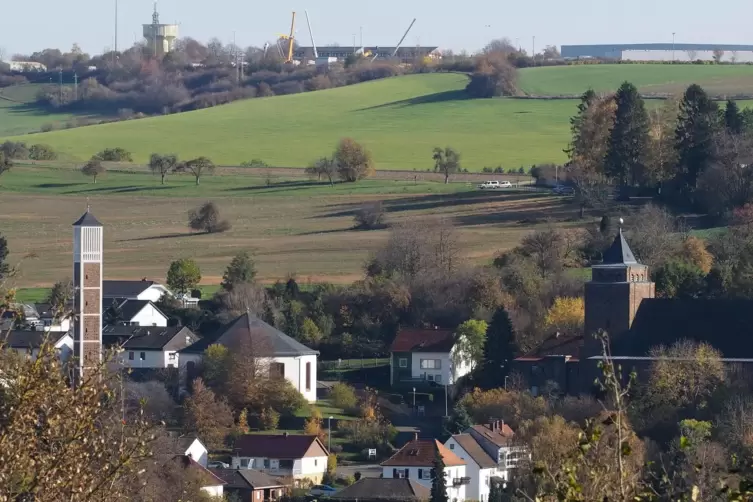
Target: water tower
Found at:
x=160, y=37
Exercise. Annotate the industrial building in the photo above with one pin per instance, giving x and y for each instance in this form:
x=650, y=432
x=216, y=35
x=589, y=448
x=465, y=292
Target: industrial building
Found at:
x=659, y=52
x=404, y=54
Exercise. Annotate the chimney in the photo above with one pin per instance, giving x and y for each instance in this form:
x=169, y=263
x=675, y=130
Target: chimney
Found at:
x=285, y=434
x=415, y=436
x=492, y=424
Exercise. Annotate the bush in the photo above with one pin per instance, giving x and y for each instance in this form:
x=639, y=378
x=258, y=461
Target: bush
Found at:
x=42, y=152
x=343, y=396
x=114, y=155
x=254, y=163
x=370, y=216
x=269, y=419
x=47, y=127
x=207, y=219
x=353, y=160
x=15, y=150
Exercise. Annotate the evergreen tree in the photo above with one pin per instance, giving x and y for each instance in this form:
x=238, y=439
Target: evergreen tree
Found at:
x=241, y=270
x=576, y=123
x=438, y=480
x=4, y=267
x=629, y=139
x=498, y=349
x=733, y=119
x=694, y=135
x=458, y=421
x=496, y=493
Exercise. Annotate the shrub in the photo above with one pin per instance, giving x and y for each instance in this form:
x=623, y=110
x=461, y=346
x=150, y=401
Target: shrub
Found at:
x=207, y=219
x=254, y=163
x=353, y=160
x=343, y=396
x=114, y=155
x=370, y=216
x=47, y=127
x=269, y=419
x=42, y=152
x=15, y=150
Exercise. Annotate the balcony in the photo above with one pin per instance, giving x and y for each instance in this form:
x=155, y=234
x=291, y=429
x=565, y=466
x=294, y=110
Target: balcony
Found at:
x=461, y=481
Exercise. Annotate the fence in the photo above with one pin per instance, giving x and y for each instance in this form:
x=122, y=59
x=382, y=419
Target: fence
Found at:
x=353, y=364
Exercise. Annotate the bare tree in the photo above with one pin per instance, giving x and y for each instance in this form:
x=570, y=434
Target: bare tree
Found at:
x=162, y=165
x=197, y=167
x=207, y=219
x=325, y=166
x=591, y=189
x=692, y=54
x=653, y=235
x=718, y=54
x=244, y=297
x=501, y=45
x=153, y=398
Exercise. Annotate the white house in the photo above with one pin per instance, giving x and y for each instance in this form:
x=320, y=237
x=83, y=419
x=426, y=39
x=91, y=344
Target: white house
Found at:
x=136, y=312
x=148, y=347
x=210, y=482
x=192, y=447
x=132, y=290
x=415, y=461
x=424, y=356
x=480, y=466
x=29, y=342
x=297, y=456
x=286, y=357
x=50, y=320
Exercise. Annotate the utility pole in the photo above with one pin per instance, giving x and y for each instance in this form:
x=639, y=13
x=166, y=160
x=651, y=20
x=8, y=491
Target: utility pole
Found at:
x=75, y=87
x=533, y=50
x=673, y=46
x=60, y=74
x=115, y=52
x=361, y=30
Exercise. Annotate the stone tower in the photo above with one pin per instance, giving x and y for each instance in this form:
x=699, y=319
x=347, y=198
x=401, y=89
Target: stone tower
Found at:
x=87, y=286
x=617, y=287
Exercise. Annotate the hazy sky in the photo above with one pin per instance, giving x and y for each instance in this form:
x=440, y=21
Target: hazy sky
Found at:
x=28, y=25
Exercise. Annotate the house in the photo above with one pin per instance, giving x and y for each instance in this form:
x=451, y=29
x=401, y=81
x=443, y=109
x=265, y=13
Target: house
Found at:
x=50, y=320
x=22, y=315
x=29, y=342
x=210, y=482
x=423, y=356
x=133, y=290
x=488, y=453
x=249, y=485
x=149, y=347
x=286, y=357
x=398, y=489
x=298, y=456
x=192, y=447
x=136, y=312
x=415, y=461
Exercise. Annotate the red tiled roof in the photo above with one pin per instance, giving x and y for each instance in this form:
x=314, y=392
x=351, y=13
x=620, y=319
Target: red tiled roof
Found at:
x=421, y=453
x=283, y=446
x=208, y=477
x=501, y=437
x=423, y=340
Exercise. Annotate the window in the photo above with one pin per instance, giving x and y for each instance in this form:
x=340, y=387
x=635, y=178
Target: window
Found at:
x=171, y=356
x=130, y=356
x=286, y=464
x=277, y=370
x=430, y=377
x=266, y=463
x=431, y=364
x=244, y=462
x=142, y=356
x=452, y=446
x=316, y=462
x=438, y=378
x=420, y=474
x=308, y=376
x=403, y=362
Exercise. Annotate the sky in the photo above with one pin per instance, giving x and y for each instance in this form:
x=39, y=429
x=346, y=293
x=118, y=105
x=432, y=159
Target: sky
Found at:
x=449, y=25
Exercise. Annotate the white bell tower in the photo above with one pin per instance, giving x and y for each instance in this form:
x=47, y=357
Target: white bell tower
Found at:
x=87, y=286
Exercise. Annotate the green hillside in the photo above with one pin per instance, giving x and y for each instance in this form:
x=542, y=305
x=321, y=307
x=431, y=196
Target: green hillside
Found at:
x=400, y=119
x=649, y=78
x=19, y=114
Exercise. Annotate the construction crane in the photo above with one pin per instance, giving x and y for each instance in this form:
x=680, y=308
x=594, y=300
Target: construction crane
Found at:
x=405, y=35
x=311, y=33
x=291, y=38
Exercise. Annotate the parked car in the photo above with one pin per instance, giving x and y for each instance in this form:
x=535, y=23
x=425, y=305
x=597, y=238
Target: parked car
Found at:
x=321, y=491
x=218, y=465
x=563, y=190
x=505, y=184
x=489, y=185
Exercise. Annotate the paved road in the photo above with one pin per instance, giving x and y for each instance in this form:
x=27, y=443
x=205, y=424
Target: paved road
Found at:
x=366, y=470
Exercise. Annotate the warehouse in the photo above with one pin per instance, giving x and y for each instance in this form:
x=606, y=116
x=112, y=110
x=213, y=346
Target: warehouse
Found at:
x=661, y=52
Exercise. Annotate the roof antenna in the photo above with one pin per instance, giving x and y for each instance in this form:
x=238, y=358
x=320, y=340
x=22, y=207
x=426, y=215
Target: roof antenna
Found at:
x=88, y=206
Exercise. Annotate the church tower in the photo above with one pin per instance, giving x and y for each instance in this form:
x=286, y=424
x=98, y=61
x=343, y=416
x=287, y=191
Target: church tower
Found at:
x=617, y=287
x=87, y=286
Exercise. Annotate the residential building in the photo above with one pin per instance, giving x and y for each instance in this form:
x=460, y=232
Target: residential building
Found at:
x=149, y=347
x=298, y=456
x=211, y=483
x=133, y=290
x=50, y=320
x=136, y=312
x=415, y=461
x=426, y=356
x=29, y=342
x=249, y=485
x=24, y=66
x=192, y=447
x=406, y=54
x=286, y=357
x=398, y=489
x=489, y=453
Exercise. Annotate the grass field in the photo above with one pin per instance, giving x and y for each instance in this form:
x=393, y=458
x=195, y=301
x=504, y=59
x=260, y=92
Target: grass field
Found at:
x=19, y=115
x=293, y=227
x=649, y=78
x=399, y=119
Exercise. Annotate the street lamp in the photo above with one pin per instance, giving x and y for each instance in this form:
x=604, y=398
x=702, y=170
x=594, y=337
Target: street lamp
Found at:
x=329, y=434
x=445, y=401
x=414, y=399
x=506, y=377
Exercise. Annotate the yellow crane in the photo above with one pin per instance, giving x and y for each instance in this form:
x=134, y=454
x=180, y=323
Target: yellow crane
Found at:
x=291, y=39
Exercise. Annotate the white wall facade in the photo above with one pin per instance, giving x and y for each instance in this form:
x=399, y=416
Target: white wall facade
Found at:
x=149, y=316
x=142, y=358
x=682, y=55
x=444, y=372
x=153, y=293
x=295, y=372
x=312, y=468
x=480, y=484
x=197, y=452
x=213, y=491
x=423, y=476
